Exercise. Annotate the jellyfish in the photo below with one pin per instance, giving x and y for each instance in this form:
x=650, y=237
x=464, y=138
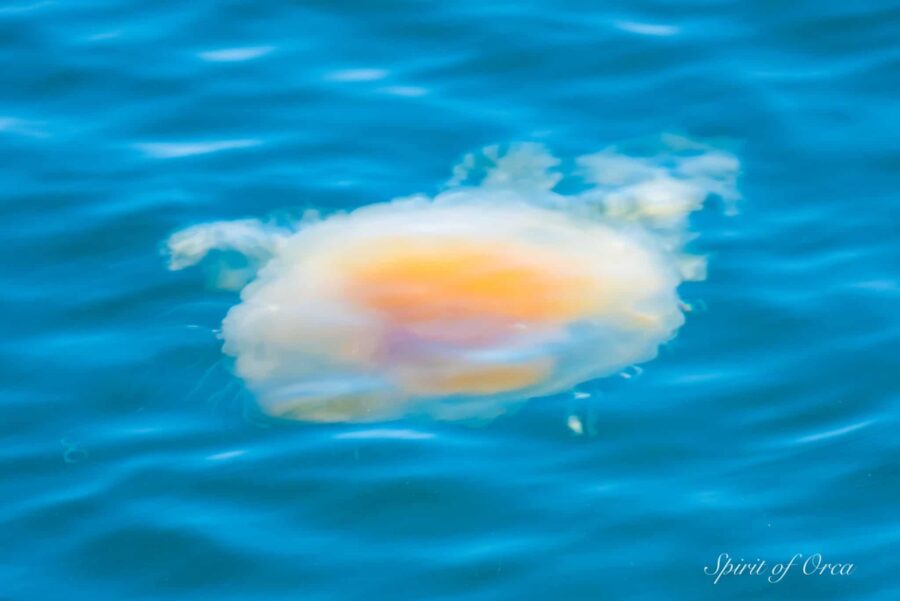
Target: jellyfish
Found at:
x=463, y=305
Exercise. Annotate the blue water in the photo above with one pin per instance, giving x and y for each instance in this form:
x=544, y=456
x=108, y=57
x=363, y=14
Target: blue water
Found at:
x=133, y=465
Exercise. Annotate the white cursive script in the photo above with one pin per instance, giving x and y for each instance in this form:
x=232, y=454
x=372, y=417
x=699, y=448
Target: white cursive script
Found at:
x=814, y=565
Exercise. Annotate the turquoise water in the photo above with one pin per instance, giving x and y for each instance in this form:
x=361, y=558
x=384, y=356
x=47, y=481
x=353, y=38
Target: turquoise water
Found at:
x=133, y=463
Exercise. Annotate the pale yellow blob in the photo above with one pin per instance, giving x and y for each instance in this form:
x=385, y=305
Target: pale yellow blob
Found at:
x=487, y=379
x=462, y=305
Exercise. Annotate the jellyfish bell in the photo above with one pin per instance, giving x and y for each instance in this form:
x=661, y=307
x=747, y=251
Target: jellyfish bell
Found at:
x=457, y=307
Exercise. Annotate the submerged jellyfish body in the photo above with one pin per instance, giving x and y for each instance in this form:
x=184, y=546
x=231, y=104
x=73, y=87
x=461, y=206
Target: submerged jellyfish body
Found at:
x=462, y=305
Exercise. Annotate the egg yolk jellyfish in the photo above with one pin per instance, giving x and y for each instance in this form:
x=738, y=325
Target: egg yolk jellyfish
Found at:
x=460, y=305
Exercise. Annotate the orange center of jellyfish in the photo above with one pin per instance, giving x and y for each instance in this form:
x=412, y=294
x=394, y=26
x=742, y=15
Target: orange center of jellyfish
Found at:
x=414, y=282
x=466, y=294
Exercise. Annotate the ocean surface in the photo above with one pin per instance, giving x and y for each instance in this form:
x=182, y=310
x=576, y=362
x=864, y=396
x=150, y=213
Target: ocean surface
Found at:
x=134, y=463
